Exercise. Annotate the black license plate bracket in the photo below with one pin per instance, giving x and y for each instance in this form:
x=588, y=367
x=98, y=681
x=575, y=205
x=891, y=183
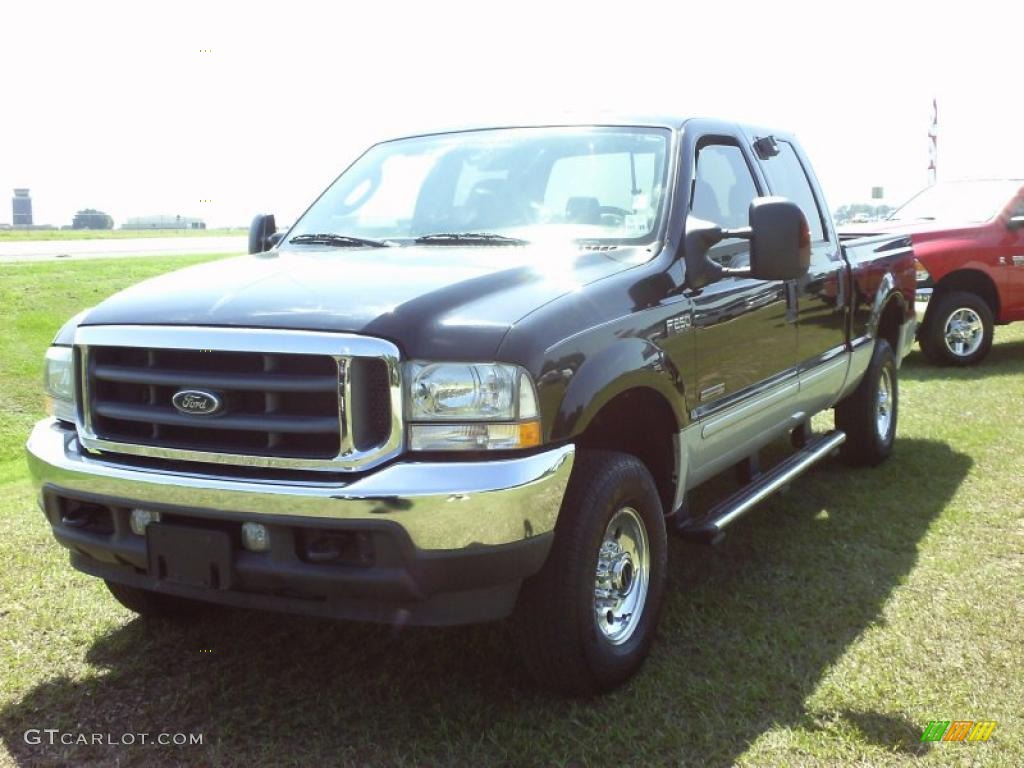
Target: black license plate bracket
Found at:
x=195, y=557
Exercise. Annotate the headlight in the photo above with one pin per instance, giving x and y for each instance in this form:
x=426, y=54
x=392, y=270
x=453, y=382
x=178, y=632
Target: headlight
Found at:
x=487, y=406
x=922, y=273
x=59, y=382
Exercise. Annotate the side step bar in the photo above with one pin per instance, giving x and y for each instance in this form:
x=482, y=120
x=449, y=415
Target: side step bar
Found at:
x=710, y=526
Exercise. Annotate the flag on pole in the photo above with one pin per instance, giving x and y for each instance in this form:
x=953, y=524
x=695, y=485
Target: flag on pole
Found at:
x=933, y=144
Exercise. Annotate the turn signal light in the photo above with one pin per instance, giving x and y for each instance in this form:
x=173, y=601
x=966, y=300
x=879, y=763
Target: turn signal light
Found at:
x=474, y=437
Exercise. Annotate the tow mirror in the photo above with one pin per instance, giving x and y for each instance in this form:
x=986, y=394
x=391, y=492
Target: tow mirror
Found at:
x=780, y=244
x=263, y=234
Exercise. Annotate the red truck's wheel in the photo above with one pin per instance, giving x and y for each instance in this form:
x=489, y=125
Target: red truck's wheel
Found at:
x=868, y=415
x=957, y=329
x=150, y=604
x=586, y=622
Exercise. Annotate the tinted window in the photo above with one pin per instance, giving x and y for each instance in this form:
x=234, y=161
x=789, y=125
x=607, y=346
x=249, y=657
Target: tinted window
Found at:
x=724, y=187
x=787, y=178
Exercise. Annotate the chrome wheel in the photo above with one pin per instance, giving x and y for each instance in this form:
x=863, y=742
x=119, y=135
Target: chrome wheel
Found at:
x=622, y=577
x=884, y=403
x=964, y=332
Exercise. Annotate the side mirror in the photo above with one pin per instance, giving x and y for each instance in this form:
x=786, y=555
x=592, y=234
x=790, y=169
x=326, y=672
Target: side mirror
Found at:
x=780, y=244
x=262, y=233
x=1015, y=222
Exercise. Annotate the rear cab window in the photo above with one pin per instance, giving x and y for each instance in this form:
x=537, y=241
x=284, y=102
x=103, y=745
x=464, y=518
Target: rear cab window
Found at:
x=788, y=178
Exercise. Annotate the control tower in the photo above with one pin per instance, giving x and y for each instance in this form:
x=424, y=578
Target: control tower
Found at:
x=21, y=205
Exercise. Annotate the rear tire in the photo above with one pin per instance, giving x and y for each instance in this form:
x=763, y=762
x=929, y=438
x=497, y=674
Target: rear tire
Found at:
x=958, y=329
x=151, y=604
x=585, y=623
x=868, y=415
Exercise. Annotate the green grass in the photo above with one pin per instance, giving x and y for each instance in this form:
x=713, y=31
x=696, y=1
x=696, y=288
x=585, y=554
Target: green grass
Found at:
x=829, y=627
x=17, y=235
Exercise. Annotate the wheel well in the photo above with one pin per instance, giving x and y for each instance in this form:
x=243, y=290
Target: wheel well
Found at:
x=639, y=422
x=972, y=281
x=889, y=325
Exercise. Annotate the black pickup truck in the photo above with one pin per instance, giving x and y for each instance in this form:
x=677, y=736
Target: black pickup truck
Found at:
x=478, y=377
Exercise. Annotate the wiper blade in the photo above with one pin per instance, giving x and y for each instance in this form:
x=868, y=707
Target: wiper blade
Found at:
x=468, y=238
x=341, y=241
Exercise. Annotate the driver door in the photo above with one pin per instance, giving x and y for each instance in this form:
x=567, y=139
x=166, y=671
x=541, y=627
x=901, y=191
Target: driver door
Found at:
x=746, y=330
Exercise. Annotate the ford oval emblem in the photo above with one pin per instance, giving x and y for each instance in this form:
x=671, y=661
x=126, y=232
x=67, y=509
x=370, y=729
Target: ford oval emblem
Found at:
x=197, y=402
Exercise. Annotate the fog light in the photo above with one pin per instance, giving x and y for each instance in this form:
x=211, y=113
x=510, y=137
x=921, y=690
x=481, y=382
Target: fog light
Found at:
x=140, y=518
x=255, y=537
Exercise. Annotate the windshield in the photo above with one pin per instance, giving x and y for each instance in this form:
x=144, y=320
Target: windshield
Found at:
x=500, y=186
x=959, y=201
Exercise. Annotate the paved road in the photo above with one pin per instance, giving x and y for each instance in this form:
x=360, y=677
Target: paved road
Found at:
x=74, y=250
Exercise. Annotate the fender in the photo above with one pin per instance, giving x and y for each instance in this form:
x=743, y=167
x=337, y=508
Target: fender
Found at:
x=626, y=364
x=973, y=264
x=975, y=271
x=887, y=291
x=66, y=335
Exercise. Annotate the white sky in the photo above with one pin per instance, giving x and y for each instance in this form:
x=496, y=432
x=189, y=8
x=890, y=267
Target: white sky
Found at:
x=112, y=105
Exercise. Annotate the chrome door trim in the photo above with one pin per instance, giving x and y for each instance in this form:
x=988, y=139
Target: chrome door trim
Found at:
x=737, y=407
x=824, y=366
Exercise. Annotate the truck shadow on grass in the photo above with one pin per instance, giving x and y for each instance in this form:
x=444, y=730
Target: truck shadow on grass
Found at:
x=749, y=630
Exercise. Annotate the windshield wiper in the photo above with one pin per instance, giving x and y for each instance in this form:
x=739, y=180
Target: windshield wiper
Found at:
x=340, y=241
x=467, y=238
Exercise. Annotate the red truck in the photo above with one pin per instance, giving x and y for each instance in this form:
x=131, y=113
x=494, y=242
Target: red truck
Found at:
x=968, y=237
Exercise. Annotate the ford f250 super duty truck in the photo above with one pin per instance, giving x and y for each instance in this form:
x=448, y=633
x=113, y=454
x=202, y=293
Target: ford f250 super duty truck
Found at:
x=968, y=238
x=479, y=376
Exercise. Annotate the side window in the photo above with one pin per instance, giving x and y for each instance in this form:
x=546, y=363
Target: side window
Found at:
x=723, y=187
x=787, y=178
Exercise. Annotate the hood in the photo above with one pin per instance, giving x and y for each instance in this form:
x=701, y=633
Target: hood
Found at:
x=920, y=227
x=433, y=301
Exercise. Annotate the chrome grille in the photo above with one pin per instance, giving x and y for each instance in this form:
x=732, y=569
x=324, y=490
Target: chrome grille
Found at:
x=290, y=399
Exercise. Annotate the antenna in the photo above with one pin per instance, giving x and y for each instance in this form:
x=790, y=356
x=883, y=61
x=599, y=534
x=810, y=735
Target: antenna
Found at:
x=933, y=144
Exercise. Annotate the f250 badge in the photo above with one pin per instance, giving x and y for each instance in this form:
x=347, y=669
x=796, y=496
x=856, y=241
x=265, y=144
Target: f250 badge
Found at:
x=678, y=324
x=196, y=402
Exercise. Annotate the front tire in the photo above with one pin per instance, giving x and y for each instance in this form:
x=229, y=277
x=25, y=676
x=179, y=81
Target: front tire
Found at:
x=957, y=329
x=868, y=415
x=585, y=623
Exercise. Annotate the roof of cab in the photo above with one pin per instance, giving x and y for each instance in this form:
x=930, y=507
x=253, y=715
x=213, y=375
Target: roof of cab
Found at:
x=595, y=118
x=551, y=120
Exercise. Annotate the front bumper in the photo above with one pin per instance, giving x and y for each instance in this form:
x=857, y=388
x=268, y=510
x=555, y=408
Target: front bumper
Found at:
x=449, y=542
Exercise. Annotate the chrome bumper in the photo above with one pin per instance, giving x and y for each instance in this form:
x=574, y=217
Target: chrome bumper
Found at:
x=441, y=506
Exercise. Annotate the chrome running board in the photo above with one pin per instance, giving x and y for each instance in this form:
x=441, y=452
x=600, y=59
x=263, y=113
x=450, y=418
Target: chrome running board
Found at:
x=710, y=527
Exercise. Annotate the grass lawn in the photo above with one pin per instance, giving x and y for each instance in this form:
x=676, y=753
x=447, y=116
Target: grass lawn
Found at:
x=17, y=235
x=831, y=625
